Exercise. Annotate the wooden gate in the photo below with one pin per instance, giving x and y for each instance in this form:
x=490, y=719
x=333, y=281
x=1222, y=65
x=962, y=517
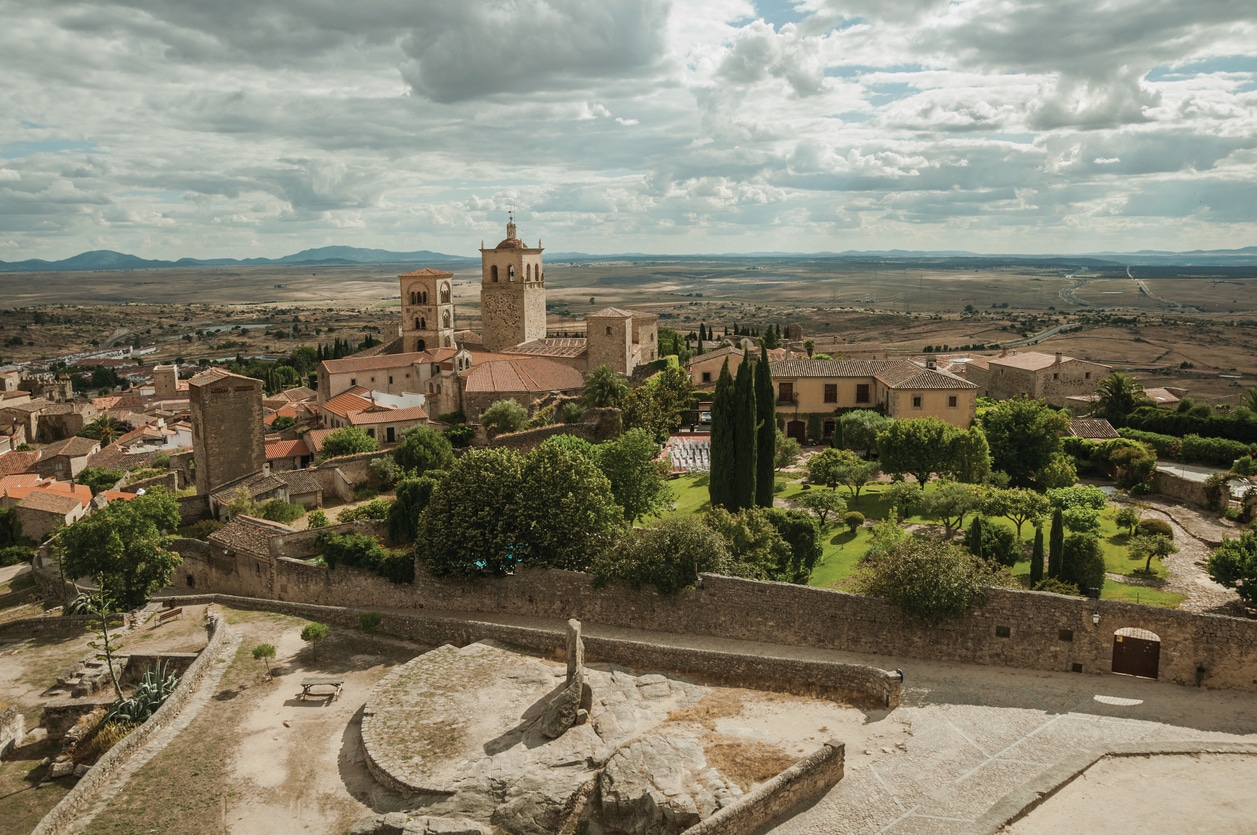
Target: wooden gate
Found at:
x=1136, y=652
x=797, y=429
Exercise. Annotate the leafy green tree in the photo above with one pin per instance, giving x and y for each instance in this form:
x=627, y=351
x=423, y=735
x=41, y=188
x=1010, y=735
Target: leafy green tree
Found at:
x=638, y=481
x=468, y=528
x=919, y=447
x=413, y=496
x=604, y=387
x=368, y=622
x=803, y=535
x=950, y=503
x=1234, y=565
x=724, y=415
x=853, y=519
x=1082, y=562
x=1059, y=472
x=756, y=548
x=765, y=433
x=10, y=528
x=1135, y=466
x=124, y=548
x=860, y=428
x=313, y=634
x=906, y=496
x=98, y=478
x=1056, y=544
x=348, y=440
x=1016, y=504
x=1147, y=548
x=824, y=503
x=744, y=437
x=316, y=519
x=973, y=537
x=1119, y=395
x=660, y=404
x=1127, y=518
x=564, y=510
x=1036, y=557
x=423, y=449
x=264, y=653
x=1023, y=435
x=283, y=512
x=928, y=579
x=969, y=457
x=1080, y=506
x=503, y=417
x=670, y=555
x=832, y=467
x=788, y=451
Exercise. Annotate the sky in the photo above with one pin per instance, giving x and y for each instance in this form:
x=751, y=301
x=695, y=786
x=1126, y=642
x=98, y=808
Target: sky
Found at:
x=258, y=128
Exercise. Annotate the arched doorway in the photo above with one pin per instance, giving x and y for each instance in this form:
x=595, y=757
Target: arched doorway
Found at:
x=421, y=345
x=797, y=429
x=1136, y=652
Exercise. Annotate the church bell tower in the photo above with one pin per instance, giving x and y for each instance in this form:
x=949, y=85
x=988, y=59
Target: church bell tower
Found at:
x=427, y=310
x=512, y=292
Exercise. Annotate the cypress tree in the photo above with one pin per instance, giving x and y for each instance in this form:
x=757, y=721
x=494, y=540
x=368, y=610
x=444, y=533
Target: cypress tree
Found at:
x=973, y=537
x=1056, y=545
x=766, y=434
x=723, y=417
x=745, y=442
x=1036, y=557
x=702, y=331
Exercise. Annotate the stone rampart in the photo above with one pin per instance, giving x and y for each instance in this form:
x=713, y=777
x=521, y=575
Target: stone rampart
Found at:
x=1033, y=630
x=63, y=814
x=799, y=784
x=1177, y=487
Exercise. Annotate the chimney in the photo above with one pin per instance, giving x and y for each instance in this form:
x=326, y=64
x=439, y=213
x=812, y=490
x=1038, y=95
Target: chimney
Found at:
x=930, y=363
x=1058, y=358
x=266, y=468
x=1003, y=351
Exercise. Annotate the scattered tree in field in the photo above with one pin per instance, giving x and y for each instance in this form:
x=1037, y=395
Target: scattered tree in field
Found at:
x=312, y=634
x=1016, y=504
x=765, y=434
x=1234, y=565
x=928, y=579
x=503, y=417
x=950, y=503
x=348, y=440
x=604, y=387
x=264, y=653
x=824, y=503
x=1148, y=547
x=1023, y=435
x=123, y=548
x=423, y=449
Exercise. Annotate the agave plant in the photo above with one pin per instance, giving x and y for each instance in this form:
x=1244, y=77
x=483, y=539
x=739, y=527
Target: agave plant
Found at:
x=82, y=604
x=148, y=695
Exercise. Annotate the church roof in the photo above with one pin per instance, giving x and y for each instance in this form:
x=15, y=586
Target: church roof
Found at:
x=551, y=347
x=611, y=313
x=427, y=272
x=532, y=374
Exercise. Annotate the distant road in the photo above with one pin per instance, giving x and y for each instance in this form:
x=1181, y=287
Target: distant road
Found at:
x=1032, y=340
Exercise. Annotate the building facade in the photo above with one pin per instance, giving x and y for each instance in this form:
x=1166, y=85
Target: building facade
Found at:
x=427, y=310
x=227, y=439
x=1048, y=377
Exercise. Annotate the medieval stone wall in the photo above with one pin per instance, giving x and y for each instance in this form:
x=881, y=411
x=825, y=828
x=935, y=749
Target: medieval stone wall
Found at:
x=226, y=430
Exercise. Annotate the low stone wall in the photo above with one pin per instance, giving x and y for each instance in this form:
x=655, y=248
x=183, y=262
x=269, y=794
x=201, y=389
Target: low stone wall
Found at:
x=802, y=782
x=57, y=718
x=193, y=509
x=1177, y=487
x=852, y=682
x=63, y=814
x=302, y=545
x=12, y=728
x=73, y=625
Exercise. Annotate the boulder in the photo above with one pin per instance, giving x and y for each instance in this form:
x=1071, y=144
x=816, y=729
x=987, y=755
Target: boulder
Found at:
x=62, y=769
x=431, y=825
x=561, y=711
x=393, y=823
x=660, y=784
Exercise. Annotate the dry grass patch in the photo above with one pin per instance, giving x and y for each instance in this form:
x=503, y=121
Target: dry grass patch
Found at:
x=746, y=763
x=717, y=704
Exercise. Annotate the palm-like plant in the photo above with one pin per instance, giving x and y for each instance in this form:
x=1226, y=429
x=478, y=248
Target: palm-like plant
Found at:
x=604, y=387
x=1119, y=395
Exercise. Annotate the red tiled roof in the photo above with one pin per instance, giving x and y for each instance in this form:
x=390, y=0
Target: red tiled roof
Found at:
x=314, y=439
x=561, y=347
x=51, y=502
x=353, y=364
x=286, y=449
x=388, y=416
x=532, y=374
x=611, y=313
x=1097, y=429
x=18, y=462
x=426, y=272
x=74, y=447
x=346, y=404
x=897, y=374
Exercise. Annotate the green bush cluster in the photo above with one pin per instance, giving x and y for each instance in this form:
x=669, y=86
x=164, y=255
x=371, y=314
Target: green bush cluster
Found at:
x=358, y=550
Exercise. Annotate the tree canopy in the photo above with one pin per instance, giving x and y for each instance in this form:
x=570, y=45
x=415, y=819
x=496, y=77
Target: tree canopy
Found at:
x=638, y=481
x=860, y=428
x=659, y=405
x=1234, y=565
x=920, y=447
x=1023, y=435
x=928, y=579
x=503, y=416
x=348, y=440
x=123, y=548
x=423, y=449
x=467, y=529
x=1119, y=395
x=604, y=387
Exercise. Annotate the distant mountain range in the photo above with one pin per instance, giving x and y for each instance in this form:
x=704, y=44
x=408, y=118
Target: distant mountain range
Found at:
x=105, y=259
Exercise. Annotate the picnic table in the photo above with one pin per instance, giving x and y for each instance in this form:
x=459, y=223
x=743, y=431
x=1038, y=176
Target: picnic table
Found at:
x=309, y=684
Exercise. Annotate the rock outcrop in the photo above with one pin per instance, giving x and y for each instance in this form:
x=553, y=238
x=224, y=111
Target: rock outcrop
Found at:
x=661, y=784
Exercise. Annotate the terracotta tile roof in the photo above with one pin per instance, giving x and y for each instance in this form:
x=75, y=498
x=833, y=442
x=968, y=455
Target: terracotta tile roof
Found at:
x=565, y=347
x=51, y=502
x=299, y=394
x=347, y=403
x=11, y=482
x=1162, y=397
x=18, y=462
x=897, y=374
x=716, y=353
x=611, y=313
x=118, y=401
x=73, y=447
x=38, y=404
x=354, y=364
x=1029, y=361
x=286, y=449
x=531, y=375
x=300, y=482
x=1097, y=429
x=257, y=485
x=214, y=375
x=118, y=495
x=314, y=439
x=468, y=338
x=245, y=534
x=426, y=272
x=388, y=416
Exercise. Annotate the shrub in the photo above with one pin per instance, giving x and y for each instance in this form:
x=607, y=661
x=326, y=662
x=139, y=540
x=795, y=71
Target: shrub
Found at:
x=1082, y=562
x=459, y=435
x=376, y=509
x=1216, y=451
x=358, y=550
x=201, y=530
x=385, y=470
x=100, y=739
x=370, y=621
x=669, y=556
x=1166, y=446
x=928, y=579
x=316, y=519
x=283, y=512
x=998, y=543
x=853, y=519
x=1155, y=527
x=1244, y=465
x=1055, y=586
x=502, y=417
x=14, y=554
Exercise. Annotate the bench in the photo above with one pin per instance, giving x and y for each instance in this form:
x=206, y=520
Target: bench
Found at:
x=309, y=684
x=169, y=614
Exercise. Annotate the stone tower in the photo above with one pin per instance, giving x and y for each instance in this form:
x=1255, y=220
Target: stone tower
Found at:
x=512, y=293
x=226, y=428
x=427, y=310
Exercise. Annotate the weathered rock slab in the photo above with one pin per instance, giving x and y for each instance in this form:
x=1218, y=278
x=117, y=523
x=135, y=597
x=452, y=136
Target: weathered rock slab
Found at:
x=661, y=784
